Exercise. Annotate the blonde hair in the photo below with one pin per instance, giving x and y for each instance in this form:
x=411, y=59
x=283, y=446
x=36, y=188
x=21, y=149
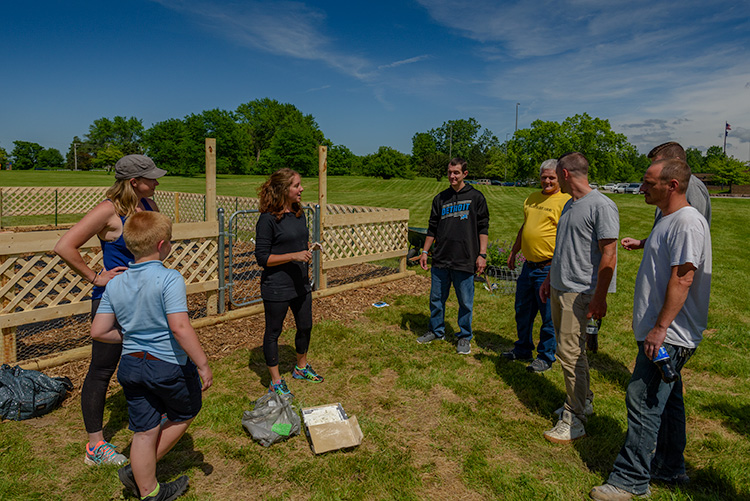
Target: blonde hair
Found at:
x=144, y=230
x=123, y=197
x=274, y=192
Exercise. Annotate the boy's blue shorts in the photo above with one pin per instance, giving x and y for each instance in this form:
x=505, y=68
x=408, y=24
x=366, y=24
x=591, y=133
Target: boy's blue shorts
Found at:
x=155, y=387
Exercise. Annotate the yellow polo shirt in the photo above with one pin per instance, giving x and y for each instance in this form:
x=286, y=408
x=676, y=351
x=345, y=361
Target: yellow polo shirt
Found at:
x=540, y=216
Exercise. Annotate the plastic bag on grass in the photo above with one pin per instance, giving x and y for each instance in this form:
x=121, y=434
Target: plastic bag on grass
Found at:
x=26, y=394
x=273, y=419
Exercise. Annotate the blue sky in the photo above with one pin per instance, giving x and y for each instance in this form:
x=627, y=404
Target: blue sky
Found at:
x=375, y=73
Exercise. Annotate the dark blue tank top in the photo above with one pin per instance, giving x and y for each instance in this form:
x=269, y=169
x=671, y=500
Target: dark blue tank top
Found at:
x=116, y=254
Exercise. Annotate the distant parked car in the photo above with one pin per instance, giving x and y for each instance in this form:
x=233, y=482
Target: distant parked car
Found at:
x=634, y=188
x=609, y=186
x=593, y=186
x=496, y=182
x=620, y=187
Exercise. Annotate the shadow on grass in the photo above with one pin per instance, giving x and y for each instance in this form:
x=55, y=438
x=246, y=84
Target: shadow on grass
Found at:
x=734, y=417
x=182, y=458
x=610, y=369
x=257, y=363
x=118, y=415
x=418, y=324
x=541, y=396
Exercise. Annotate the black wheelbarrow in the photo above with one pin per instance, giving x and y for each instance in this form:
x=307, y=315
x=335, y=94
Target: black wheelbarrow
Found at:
x=417, y=236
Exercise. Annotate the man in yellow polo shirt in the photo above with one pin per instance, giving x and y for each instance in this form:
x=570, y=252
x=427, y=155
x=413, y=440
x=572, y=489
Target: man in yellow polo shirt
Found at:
x=536, y=239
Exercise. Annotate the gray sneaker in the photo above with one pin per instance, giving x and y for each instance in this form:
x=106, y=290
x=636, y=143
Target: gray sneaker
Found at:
x=538, y=365
x=463, y=347
x=609, y=492
x=428, y=337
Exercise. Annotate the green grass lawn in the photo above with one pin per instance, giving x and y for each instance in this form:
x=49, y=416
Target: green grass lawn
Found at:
x=436, y=425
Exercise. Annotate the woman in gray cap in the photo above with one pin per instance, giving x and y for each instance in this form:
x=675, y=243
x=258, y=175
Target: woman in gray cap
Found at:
x=136, y=180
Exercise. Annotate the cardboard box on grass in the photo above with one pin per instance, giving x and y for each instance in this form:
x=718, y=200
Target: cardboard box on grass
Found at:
x=329, y=428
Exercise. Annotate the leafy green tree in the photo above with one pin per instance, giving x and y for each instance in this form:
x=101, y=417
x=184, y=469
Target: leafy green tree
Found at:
x=3, y=157
x=123, y=133
x=232, y=145
x=388, y=163
x=84, y=153
x=107, y=157
x=25, y=155
x=610, y=155
x=341, y=161
x=713, y=152
x=695, y=160
x=728, y=170
x=170, y=147
x=262, y=118
x=292, y=146
x=51, y=158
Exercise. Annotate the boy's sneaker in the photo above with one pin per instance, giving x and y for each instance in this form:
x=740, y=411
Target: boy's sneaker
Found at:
x=538, y=365
x=567, y=429
x=512, y=355
x=587, y=410
x=428, y=337
x=308, y=374
x=170, y=490
x=128, y=480
x=103, y=453
x=463, y=347
x=280, y=388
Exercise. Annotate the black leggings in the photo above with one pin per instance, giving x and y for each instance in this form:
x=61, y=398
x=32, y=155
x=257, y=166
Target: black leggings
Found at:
x=275, y=312
x=104, y=359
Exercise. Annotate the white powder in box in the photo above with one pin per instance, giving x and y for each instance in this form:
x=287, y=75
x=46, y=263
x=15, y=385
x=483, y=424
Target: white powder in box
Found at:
x=321, y=415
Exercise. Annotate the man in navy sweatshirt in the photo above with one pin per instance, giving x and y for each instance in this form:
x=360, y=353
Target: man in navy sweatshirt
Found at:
x=458, y=227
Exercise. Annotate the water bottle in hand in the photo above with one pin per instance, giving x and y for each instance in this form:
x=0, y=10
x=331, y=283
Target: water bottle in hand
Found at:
x=664, y=363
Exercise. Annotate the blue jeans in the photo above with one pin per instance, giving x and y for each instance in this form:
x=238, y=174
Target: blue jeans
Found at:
x=463, y=283
x=528, y=304
x=655, y=441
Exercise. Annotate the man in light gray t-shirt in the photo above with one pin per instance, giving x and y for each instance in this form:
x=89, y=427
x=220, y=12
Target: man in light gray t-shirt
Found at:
x=583, y=223
x=582, y=272
x=670, y=311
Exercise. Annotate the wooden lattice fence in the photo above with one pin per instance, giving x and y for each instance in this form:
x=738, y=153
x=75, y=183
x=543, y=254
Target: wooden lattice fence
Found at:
x=38, y=291
x=37, y=286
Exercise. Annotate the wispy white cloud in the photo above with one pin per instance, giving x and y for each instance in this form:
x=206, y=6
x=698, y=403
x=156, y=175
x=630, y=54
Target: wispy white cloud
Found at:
x=284, y=28
x=411, y=60
x=317, y=89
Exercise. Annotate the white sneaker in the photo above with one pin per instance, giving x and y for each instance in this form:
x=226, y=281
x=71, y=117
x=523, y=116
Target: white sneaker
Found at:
x=567, y=429
x=587, y=410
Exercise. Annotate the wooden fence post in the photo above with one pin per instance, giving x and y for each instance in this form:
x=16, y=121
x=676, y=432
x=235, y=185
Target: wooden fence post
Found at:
x=322, y=278
x=8, y=347
x=212, y=297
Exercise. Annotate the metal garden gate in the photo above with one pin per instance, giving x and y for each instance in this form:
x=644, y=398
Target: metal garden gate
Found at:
x=240, y=279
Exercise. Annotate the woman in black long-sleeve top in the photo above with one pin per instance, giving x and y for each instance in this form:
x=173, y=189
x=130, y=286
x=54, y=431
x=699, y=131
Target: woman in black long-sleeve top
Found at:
x=282, y=249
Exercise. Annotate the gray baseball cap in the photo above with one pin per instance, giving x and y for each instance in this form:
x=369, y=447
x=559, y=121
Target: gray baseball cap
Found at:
x=131, y=166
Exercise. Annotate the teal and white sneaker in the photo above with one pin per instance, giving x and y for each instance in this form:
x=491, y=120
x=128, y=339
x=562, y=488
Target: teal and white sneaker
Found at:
x=280, y=388
x=308, y=374
x=103, y=453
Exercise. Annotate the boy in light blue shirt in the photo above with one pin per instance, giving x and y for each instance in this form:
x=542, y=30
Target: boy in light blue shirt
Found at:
x=162, y=360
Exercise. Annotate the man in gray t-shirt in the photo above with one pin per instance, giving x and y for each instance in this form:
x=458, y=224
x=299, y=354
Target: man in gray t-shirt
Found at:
x=670, y=311
x=696, y=194
x=583, y=270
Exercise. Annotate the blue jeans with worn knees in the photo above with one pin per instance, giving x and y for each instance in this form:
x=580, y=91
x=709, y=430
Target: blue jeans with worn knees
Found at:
x=655, y=440
x=463, y=284
x=528, y=304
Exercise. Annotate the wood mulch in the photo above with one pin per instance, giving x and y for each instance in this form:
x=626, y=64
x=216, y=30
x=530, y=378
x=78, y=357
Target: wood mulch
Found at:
x=223, y=339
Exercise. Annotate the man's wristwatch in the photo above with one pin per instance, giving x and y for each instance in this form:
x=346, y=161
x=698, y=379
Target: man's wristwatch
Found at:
x=483, y=256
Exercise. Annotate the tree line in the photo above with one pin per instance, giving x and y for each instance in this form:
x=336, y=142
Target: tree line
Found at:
x=263, y=135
